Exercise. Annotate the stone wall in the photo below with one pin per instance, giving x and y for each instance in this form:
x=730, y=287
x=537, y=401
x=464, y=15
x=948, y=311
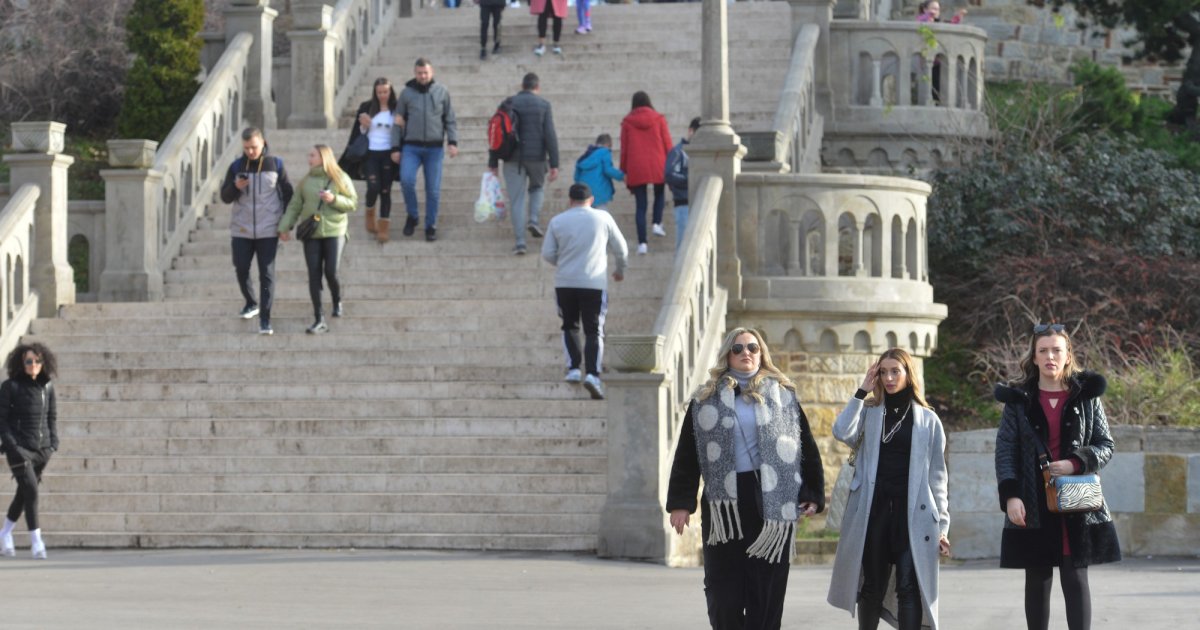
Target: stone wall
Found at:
x=1025, y=42
x=1152, y=487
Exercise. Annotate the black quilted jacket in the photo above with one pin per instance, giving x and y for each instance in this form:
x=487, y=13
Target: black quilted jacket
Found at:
x=28, y=414
x=1086, y=437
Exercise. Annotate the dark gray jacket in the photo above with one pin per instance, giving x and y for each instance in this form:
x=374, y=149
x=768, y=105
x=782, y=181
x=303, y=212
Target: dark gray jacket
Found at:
x=676, y=173
x=258, y=208
x=428, y=116
x=535, y=129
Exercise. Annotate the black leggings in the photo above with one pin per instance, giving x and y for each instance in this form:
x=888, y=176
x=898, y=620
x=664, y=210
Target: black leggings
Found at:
x=486, y=13
x=1076, y=593
x=548, y=14
x=322, y=256
x=887, y=545
x=380, y=172
x=28, y=473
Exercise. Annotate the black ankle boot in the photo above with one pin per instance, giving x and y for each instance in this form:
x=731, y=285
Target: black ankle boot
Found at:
x=337, y=309
x=410, y=226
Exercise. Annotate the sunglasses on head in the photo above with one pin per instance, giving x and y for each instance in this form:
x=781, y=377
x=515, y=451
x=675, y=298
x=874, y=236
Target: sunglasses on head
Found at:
x=33, y=361
x=738, y=348
x=1042, y=328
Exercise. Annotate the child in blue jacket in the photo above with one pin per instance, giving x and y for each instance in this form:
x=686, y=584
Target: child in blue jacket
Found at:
x=595, y=168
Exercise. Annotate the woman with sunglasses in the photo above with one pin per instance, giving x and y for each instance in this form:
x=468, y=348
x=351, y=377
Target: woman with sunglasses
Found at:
x=28, y=435
x=1052, y=407
x=746, y=435
x=897, y=514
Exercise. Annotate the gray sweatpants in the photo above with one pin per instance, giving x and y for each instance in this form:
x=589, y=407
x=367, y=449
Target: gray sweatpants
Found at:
x=519, y=179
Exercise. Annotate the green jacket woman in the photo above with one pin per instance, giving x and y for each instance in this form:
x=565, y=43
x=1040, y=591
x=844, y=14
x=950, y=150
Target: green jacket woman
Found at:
x=329, y=193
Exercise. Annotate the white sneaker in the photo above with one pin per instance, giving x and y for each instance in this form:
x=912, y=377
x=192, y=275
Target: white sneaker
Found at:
x=642, y=249
x=574, y=376
x=594, y=387
x=39, y=549
x=6, y=546
x=658, y=230
x=539, y=50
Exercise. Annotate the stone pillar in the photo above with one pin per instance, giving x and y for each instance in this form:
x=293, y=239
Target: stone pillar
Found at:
x=819, y=12
x=313, y=66
x=37, y=159
x=716, y=149
x=633, y=523
x=256, y=18
x=131, y=235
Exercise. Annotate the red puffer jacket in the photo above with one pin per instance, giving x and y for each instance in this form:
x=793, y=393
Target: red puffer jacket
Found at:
x=645, y=143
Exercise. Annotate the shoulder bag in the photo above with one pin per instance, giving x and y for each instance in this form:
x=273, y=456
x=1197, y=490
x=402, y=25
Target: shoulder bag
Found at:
x=307, y=228
x=1069, y=494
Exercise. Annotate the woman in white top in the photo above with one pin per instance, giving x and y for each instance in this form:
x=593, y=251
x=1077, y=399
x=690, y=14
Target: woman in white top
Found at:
x=375, y=119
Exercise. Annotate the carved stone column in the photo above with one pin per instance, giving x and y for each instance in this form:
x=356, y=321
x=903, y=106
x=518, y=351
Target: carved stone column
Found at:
x=313, y=66
x=131, y=236
x=256, y=18
x=37, y=159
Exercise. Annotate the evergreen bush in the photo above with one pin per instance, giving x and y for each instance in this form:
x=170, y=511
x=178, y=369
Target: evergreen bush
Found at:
x=163, y=36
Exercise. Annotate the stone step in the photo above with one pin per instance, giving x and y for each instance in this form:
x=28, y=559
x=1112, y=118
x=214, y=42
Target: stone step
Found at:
x=73, y=537
x=555, y=439
x=298, y=390
x=317, y=503
x=340, y=482
x=296, y=288
x=398, y=423
x=483, y=411
x=369, y=374
x=502, y=310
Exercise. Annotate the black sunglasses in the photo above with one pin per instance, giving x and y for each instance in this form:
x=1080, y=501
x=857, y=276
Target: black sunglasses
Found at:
x=738, y=348
x=1042, y=328
x=33, y=361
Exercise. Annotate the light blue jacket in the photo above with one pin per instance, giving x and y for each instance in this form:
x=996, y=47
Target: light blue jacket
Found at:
x=595, y=168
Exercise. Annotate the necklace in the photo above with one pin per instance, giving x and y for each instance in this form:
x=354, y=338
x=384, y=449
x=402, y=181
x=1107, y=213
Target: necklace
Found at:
x=892, y=433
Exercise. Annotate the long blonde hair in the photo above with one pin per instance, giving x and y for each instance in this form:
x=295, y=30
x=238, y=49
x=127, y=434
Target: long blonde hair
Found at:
x=766, y=369
x=910, y=370
x=334, y=172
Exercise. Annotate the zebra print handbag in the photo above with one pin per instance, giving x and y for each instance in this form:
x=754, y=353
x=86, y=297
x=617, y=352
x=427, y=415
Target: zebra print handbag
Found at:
x=1071, y=494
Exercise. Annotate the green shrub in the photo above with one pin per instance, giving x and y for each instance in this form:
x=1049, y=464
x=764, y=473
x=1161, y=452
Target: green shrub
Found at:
x=957, y=389
x=163, y=36
x=1161, y=389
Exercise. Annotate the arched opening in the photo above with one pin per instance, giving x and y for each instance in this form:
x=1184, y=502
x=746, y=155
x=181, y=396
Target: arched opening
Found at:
x=812, y=244
x=878, y=159
x=865, y=81
x=776, y=239
x=847, y=236
x=973, y=84
x=845, y=157
x=829, y=341
x=873, y=246
x=960, y=82
x=889, y=80
x=792, y=342
x=897, y=248
x=911, y=250
x=862, y=341
x=891, y=340
x=913, y=342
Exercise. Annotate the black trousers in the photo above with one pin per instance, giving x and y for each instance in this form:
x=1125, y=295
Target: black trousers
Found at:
x=886, y=546
x=322, y=256
x=381, y=173
x=588, y=305
x=493, y=14
x=548, y=14
x=27, y=466
x=1077, y=595
x=743, y=593
x=244, y=251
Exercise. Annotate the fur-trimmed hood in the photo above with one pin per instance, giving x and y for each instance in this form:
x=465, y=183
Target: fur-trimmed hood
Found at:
x=1086, y=384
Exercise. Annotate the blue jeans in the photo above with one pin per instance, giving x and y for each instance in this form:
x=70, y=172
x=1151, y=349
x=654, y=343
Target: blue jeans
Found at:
x=640, y=198
x=681, y=220
x=430, y=158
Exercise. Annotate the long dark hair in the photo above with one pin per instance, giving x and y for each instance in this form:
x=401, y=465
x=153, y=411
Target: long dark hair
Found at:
x=641, y=99
x=374, y=108
x=16, y=361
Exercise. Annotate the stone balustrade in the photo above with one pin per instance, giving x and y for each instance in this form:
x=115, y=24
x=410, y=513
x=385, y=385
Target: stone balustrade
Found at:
x=18, y=304
x=656, y=375
x=359, y=28
x=794, y=141
x=906, y=95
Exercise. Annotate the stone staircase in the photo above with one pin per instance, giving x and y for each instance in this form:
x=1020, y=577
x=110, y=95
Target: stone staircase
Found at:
x=433, y=415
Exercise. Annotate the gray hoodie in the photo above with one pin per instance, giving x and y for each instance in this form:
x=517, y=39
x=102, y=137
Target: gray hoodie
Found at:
x=428, y=116
x=578, y=242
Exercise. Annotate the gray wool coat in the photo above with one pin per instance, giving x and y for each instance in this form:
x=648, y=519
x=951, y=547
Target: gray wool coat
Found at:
x=928, y=509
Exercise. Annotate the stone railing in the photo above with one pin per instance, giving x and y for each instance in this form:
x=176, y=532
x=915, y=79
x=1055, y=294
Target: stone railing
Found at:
x=153, y=197
x=906, y=95
x=794, y=140
x=844, y=256
x=331, y=49
x=18, y=303
x=647, y=397
x=1151, y=486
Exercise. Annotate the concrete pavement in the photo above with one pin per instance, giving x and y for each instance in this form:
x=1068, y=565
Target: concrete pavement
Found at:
x=183, y=589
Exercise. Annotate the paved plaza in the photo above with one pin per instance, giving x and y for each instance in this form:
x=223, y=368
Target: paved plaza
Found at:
x=180, y=589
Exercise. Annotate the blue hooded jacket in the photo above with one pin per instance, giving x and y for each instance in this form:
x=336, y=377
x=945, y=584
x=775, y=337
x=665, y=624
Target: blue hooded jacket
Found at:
x=595, y=168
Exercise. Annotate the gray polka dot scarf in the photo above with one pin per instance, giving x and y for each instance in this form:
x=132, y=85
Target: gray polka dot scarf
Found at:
x=778, y=423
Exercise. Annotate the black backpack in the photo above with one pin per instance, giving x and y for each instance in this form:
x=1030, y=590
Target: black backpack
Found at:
x=503, y=141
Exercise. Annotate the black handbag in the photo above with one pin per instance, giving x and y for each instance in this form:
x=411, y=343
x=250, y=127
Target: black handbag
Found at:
x=307, y=228
x=356, y=151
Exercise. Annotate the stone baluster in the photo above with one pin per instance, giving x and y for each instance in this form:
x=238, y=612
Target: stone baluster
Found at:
x=37, y=159
x=131, y=232
x=256, y=18
x=876, y=82
x=313, y=66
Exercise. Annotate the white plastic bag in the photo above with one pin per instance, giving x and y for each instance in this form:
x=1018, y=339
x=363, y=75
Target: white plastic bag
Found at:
x=490, y=204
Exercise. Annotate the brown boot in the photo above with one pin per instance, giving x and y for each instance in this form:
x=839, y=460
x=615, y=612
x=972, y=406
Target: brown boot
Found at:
x=381, y=230
x=371, y=220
